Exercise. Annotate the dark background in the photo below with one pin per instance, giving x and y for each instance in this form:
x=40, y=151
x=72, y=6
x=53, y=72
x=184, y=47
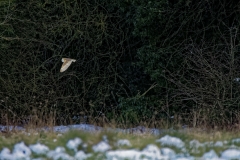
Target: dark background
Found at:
x=154, y=63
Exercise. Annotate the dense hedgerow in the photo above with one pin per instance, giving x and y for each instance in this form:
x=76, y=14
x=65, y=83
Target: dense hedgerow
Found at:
x=138, y=62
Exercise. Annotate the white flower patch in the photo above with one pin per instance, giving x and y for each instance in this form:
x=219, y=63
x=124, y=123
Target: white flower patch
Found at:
x=171, y=141
x=21, y=151
x=73, y=144
x=101, y=147
x=39, y=148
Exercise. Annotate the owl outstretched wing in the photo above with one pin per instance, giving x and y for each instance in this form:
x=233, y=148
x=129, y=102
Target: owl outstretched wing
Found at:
x=66, y=63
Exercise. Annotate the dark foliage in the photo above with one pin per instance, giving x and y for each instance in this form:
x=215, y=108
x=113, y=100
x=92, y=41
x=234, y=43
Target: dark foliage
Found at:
x=138, y=62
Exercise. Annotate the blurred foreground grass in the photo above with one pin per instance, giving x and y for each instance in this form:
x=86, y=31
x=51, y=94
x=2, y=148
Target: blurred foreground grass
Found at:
x=190, y=137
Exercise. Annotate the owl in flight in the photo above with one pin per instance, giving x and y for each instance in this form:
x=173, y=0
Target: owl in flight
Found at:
x=66, y=63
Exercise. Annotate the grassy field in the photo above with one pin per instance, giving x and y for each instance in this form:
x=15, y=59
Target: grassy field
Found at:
x=196, y=142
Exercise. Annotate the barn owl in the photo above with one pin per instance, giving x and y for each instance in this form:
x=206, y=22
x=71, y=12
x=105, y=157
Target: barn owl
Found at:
x=66, y=63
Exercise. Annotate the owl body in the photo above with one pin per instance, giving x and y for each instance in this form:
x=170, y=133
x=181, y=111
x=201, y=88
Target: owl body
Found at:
x=66, y=63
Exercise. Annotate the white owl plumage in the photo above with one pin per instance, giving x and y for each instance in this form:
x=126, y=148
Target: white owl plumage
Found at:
x=66, y=63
